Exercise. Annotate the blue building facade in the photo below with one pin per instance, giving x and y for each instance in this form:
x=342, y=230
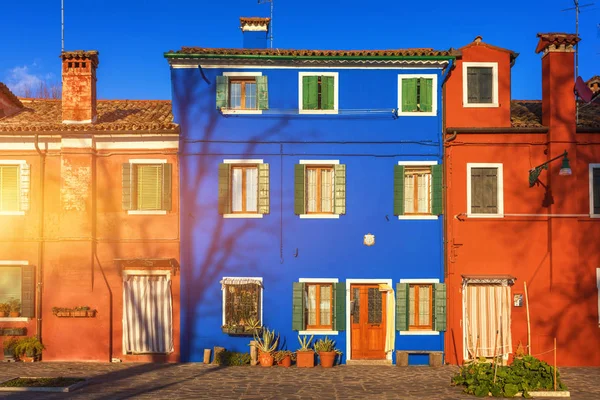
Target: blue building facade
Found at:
x=311, y=193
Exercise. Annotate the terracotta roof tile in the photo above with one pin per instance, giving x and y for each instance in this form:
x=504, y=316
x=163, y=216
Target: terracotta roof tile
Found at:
x=594, y=78
x=113, y=115
x=528, y=114
x=315, y=53
x=10, y=96
x=556, y=39
x=478, y=41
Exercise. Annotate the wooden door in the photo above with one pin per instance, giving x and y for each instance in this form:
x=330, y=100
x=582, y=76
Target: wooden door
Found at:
x=368, y=322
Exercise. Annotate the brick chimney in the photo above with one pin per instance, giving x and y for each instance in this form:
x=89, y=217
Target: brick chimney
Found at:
x=255, y=31
x=79, y=86
x=558, y=80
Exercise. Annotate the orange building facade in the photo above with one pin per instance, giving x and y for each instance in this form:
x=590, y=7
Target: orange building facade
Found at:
x=90, y=218
x=516, y=253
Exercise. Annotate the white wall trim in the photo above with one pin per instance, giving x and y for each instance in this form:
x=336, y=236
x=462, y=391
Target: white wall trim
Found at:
x=598, y=286
x=336, y=86
x=349, y=282
x=147, y=212
x=419, y=280
x=434, y=95
x=77, y=143
x=12, y=212
x=246, y=215
x=409, y=163
x=319, y=280
x=417, y=333
x=416, y=217
x=165, y=272
x=262, y=289
x=242, y=73
x=318, y=332
x=319, y=216
x=15, y=263
x=499, y=191
x=12, y=162
x=319, y=162
x=591, y=184
x=246, y=161
x=240, y=112
x=147, y=161
x=494, y=102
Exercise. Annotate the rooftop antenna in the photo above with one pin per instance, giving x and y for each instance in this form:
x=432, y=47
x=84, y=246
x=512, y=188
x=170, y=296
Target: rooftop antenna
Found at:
x=62, y=25
x=577, y=8
x=271, y=21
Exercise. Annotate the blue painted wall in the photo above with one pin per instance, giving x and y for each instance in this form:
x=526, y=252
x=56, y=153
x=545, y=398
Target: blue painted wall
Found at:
x=281, y=247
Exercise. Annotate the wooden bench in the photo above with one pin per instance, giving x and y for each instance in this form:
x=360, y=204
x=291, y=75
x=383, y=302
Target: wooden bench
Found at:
x=435, y=357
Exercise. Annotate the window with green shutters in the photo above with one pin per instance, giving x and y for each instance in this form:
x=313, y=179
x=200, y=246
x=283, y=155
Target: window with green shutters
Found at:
x=320, y=189
x=17, y=285
x=480, y=84
x=484, y=186
x=417, y=190
x=420, y=306
x=417, y=94
x=595, y=189
x=246, y=93
x=243, y=188
x=146, y=187
x=319, y=306
x=318, y=92
x=14, y=187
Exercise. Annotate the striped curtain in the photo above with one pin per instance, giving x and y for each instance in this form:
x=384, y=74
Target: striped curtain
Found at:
x=148, y=314
x=487, y=312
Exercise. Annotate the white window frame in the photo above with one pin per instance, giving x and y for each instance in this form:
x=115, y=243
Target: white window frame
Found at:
x=494, y=66
x=415, y=164
x=248, y=215
x=336, y=86
x=262, y=289
x=320, y=162
x=427, y=281
x=320, y=331
x=499, y=190
x=591, y=183
x=19, y=263
x=135, y=161
x=241, y=75
x=598, y=286
x=19, y=163
x=434, y=95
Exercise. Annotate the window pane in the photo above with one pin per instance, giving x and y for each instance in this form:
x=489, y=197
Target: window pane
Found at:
x=251, y=189
x=325, y=292
x=409, y=191
x=423, y=193
x=250, y=95
x=9, y=188
x=311, y=190
x=326, y=190
x=411, y=306
x=10, y=284
x=424, y=305
x=236, y=190
x=356, y=305
x=235, y=94
x=149, y=186
x=311, y=305
x=375, y=299
x=242, y=303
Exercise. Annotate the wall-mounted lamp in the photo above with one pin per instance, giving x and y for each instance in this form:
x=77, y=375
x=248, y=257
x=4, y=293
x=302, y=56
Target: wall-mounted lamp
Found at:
x=565, y=169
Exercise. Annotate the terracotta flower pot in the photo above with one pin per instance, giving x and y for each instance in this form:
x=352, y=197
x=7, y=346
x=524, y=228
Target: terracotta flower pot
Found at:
x=265, y=359
x=327, y=358
x=2, y=314
x=14, y=314
x=286, y=362
x=305, y=359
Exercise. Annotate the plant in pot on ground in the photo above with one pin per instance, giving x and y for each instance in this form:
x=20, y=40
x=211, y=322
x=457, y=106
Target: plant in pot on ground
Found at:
x=15, y=307
x=9, y=348
x=305, y=355
x=284, y=358
x=266, y=346
x=327, y=352
x=4, y=309
x=29, y=348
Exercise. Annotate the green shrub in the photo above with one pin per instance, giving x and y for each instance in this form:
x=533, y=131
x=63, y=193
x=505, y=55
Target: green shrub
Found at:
x=525, y=374
x=232, y=358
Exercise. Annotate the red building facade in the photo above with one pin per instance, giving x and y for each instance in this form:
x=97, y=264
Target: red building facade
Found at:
x=504, y=236
x=89, y=215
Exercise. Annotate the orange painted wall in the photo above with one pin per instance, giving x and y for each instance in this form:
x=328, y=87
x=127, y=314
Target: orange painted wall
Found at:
x=72, y=275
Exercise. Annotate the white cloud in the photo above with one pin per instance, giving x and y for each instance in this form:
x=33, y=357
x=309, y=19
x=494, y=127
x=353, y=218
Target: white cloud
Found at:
x=23, y=81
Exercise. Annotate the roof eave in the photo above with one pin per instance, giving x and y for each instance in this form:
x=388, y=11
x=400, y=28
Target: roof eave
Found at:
x=170, y=55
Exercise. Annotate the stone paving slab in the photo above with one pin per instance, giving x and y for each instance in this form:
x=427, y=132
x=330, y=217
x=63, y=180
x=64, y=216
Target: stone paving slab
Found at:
x=199, y=381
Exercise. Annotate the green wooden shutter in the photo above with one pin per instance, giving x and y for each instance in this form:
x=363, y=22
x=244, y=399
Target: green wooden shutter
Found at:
x=339, y=294
x=299, y=189
x=402, y=306
x=167, y=189
x=484, y=190
x=263, y=189
x=310, y=94
x=298, y=307
x=262, y=92
x=339, y=173
x=409, y=95
x=436, y=190
x=596, y=189
x=28, y=291
x=25, y=185
x=473, y=85
x=486, y=84
x=224, y=182
x=126, y=187
x=327, y=92
x=426, y=95
x=398, y=189
x=439, y=307
x=222, y=92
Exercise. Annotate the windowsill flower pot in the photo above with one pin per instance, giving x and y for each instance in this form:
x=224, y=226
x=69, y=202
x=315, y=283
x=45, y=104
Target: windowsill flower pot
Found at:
x=15, y=308
x=305, y=356
x=327, y=352
x=4, y=310
x=266, y=346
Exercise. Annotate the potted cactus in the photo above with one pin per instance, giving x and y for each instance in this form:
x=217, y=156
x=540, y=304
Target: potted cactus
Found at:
x=305, y=356
x=266, y=346
x=4, y=310
x=327, y=352
x=284, y=358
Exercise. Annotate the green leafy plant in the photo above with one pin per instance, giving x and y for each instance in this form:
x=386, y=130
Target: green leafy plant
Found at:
x=279, y=355
x=232, y=358
x=268, y=343
x=15, y=305
x=4, y=308
x=29, y=346
x=9, y=345
x=304, y=343
x=525, y=374
x=252, y=325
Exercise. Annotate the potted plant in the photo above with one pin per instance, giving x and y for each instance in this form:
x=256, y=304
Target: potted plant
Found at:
x=305, y=356
x=9, y=348
x=327, y=352
x=266, y=346
x=80, y=311
x=284, y=358
x=29, y=348
x=15, y=307
x=4, y=310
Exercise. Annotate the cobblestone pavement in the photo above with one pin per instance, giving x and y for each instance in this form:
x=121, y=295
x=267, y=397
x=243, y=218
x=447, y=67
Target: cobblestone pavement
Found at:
x=198, y=381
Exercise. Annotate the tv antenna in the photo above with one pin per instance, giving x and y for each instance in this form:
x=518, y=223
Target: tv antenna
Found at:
x=271, y=21
x=62, y=25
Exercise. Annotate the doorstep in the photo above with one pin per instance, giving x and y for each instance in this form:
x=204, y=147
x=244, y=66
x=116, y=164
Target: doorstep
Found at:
x=369, y=362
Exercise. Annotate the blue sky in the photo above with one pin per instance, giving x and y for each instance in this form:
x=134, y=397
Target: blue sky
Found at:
x=132, y=35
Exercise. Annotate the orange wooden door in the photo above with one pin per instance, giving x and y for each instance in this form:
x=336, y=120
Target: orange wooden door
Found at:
x=368, y=322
